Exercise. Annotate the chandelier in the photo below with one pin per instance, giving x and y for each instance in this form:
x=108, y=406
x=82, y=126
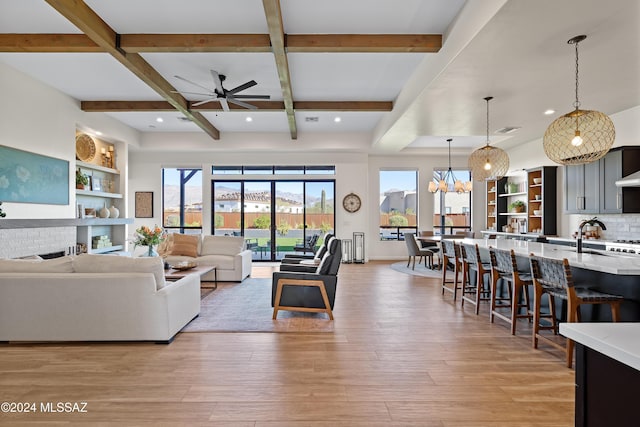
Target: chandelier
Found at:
x=488, y=162
x=581, y=136
x=449, y=180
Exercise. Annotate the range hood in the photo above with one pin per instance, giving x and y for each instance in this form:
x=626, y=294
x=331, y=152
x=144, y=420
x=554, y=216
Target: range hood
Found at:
x=632, y=180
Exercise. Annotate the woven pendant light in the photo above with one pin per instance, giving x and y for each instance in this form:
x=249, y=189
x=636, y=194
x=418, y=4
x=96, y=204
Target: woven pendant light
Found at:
x=581, y=136
x=488, y=162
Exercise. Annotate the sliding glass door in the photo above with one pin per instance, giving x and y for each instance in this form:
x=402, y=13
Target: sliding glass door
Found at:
x=276, y=217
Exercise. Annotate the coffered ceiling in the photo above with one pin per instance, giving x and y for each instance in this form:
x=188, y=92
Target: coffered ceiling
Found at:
x=408, y=72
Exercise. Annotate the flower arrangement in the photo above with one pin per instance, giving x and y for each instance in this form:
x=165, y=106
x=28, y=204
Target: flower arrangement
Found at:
x=146, y=236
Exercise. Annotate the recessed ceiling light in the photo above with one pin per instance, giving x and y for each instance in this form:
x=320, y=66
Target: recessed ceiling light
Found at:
x=159, y=120
x=549, y=112
x=98, y=133
x=249, y=119
x=337, y=119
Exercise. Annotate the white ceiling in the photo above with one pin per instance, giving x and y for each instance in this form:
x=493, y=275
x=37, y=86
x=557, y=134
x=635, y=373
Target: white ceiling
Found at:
x=514, y=50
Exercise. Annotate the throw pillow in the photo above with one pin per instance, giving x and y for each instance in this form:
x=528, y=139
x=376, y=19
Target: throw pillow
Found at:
x=185, y=245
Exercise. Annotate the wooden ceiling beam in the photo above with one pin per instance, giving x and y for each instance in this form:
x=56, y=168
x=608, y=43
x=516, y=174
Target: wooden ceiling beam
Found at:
x=276, y=34
x=379, y=43
x=47, y=43
x=137, y=43
x=83, y=17
x=140, y=43
x=127, y=106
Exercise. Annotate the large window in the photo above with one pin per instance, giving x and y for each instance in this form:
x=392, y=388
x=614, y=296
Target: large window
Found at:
x=182, y=200
x=451, y=211
x=398, y=203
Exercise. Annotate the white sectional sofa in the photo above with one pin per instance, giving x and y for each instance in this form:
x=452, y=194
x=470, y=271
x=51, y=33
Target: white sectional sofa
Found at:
x=228, y=253
x=93, y=298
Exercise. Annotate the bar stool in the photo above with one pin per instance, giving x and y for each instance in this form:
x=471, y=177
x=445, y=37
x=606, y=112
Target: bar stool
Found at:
x=505, y=267
x=471, y=261
x=451, y=252
x=553, y=277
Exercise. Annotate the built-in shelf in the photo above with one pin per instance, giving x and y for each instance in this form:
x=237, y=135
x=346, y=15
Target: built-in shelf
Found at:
x=522, y=193
x=107, y=249
x=61, y=222
x=97, y=167
x=512, y=213
x=98, y=194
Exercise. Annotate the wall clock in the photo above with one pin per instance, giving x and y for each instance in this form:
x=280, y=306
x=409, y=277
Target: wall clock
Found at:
x=351, y=202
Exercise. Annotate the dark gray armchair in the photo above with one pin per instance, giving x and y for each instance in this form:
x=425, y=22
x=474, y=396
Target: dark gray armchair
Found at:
x=309, y=291
x=296, y=258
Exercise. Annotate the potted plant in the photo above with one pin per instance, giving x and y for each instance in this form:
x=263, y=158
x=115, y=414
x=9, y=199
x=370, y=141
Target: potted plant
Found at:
x=517, y=206
x=81, y=180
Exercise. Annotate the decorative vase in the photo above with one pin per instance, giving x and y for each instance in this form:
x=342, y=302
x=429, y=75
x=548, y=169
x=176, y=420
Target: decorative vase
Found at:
x=113, y=212
x=104, y=212
x=151, y=252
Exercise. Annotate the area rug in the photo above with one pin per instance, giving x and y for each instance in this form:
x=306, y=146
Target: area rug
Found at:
x=246, y=307
x=420, y=270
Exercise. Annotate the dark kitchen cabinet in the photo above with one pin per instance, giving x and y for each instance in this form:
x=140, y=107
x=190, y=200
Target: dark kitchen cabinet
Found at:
x=616, y=164
x=581, y=188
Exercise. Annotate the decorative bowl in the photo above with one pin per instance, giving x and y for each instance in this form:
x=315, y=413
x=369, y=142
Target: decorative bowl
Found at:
x=537, y=212
x=184, y=265
x=537, y=180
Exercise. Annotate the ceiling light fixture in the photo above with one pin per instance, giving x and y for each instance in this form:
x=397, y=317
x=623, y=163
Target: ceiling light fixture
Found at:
x=488, y=162
x=159, y=120
x=249, y=119
x=549, y=112
x=98, y=133
x=337, y=119
x=449, y=180
x=581, y=136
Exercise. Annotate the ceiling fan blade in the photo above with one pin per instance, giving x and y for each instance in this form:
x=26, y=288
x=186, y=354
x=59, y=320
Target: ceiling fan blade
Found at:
x=225, y=105
x=194, y=93
x=194, y=83
x=252, y=96
x=242, y=104
x=242, y=87
x=217, y=81
x=199, y=103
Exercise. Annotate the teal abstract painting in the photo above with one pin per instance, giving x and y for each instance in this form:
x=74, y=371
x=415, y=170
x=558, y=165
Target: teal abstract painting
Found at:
x=33, y=178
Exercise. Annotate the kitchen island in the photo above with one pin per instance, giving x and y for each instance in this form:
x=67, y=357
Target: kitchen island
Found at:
x=607, y=372
x=608, y=272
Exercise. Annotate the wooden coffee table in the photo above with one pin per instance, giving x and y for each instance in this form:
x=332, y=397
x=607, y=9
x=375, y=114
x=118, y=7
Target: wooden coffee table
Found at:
x=201, y=270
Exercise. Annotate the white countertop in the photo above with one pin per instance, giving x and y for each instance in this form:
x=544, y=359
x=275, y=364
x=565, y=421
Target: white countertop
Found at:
x=609, y=263
x=619, y=341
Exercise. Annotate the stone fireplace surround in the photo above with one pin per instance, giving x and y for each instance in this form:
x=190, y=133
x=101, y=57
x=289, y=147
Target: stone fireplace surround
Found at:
x=27, y=237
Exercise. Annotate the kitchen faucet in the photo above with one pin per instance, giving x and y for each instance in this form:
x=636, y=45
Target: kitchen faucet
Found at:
x=592, y=221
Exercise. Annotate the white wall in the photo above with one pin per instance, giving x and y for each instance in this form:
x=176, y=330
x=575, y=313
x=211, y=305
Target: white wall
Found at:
x=145, y=171
x=37, y=118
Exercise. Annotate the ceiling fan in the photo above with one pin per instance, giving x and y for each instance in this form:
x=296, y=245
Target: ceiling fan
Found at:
x=221, y=94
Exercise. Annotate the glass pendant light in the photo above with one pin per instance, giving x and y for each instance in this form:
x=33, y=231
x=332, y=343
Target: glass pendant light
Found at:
x=488, y=162
x=581, y=136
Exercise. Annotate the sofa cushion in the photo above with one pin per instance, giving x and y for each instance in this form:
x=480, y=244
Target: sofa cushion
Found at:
x=88, y=263
x=185, y=245
x=222, y=245
x=56, y=265
x=222, y=262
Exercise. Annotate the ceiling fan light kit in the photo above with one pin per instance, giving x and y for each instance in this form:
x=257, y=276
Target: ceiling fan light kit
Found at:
x=488, y=162
x=580, y=136
x=449, y=180
x=222, y=95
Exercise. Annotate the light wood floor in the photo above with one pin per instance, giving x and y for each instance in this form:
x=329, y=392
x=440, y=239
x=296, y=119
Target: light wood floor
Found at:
x=401, y=355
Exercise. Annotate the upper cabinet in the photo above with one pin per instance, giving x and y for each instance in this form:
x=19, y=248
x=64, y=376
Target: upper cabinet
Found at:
x=616, y=164
x=591, y=188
